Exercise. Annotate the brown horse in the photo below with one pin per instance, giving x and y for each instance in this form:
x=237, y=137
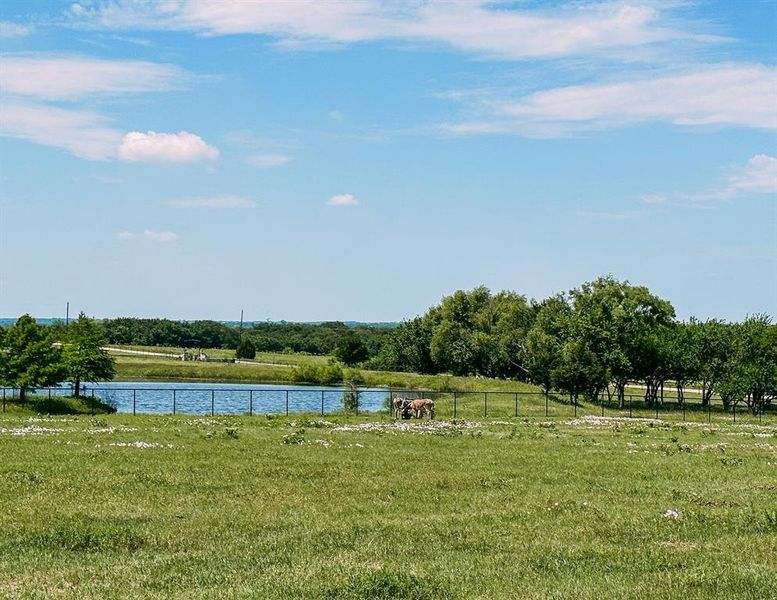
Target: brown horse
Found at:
x=422, y=405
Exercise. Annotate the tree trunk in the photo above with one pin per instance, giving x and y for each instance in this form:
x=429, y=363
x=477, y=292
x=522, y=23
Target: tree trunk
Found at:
x=77, y=391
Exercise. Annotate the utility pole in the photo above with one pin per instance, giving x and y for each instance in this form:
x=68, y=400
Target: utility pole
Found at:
x=241, y=324
x=67, y=314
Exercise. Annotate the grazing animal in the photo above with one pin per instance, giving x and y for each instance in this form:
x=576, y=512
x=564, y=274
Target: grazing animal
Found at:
x=400, y=405
x=422, y=405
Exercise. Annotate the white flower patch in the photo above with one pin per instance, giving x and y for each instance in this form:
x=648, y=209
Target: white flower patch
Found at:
x=425, y=427
x=31, y=430
x=671, y=513
x=597, y=421
x=139, y=445
x=109, y=430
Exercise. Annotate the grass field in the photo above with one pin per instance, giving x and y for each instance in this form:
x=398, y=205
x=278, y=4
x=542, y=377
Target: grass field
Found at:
x=149, y=507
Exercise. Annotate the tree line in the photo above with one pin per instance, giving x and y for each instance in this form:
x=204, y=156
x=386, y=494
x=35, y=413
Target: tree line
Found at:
x=310, y=338
x=590, y=343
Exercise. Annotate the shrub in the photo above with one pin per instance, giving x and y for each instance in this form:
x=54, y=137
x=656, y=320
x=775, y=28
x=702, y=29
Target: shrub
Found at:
x=351, y=397
x=246, y=349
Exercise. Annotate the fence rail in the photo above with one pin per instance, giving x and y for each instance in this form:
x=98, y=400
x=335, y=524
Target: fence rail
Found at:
x=448, y=404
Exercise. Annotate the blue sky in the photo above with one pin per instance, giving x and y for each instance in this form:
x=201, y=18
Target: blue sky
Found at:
x=359, y=160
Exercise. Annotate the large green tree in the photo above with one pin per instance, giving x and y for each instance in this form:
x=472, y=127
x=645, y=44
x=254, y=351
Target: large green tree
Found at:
x=351, y=349
x=28, y=357
x=83, y=358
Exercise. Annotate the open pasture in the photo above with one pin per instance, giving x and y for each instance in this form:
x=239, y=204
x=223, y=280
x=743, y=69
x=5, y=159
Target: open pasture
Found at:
x=363, y=507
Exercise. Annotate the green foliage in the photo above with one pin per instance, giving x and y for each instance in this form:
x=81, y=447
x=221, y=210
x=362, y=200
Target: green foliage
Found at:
x=750, y=375
x=331, y=372
x=246, y=349
x=83, y=358
x=350, y=349
x=28, y=357
x=351, y=397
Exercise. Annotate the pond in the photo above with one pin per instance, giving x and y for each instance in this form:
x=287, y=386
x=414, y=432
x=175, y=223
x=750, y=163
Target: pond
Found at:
x=227, y=398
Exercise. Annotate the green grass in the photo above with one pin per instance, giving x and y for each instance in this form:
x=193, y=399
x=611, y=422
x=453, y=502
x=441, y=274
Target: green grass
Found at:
x=55, y=405
x=290, y=508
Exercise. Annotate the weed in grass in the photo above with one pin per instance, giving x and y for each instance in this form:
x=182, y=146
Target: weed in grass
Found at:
x=387, y=585
x=82, y=534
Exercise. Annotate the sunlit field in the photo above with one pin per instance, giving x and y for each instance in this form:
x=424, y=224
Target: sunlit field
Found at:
x=364, y=507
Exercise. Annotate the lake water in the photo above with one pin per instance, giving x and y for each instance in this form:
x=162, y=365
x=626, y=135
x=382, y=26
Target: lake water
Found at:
x=227, y=398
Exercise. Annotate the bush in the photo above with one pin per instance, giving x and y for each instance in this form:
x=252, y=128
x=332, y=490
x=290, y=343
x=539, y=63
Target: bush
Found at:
x=246, y=349
x=351, y=397
x=331, y=372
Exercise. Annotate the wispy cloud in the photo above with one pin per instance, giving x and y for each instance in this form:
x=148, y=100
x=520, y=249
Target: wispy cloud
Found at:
x=84, y=133
x=165, y=147
x=9, y=29
x=148, y=234
x=268, y=161
x=476, y=26
x=343, y=200
x=71, y=77
x=212, y=202
x=653, y=199
x=719, y=95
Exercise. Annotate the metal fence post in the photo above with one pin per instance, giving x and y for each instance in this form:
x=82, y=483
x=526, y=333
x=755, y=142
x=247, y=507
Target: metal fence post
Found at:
x=49, y=394
x=455, y=397
x=212, y=402
x=92, y=402
x=287, y=403
x=709, y=410
x=250, y=403
x=683, y=411
x=629, y=405
x=134, y=400
x=516, y=404
x=601, y=401
x=322, y=403
x=546, y=403
x=3, y=399
x=173, y=401
x=357, y=402
x=485, y=404
x=735, y=412
x=575, y=404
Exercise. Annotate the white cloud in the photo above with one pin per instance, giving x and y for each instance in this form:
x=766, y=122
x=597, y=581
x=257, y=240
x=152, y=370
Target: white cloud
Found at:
x=479, y=26
x=81, y=132
x=343, y=200
x=72, y=77
x=213, y=202
x=148, y=234
x=8, y=29
x=165, y=147
x=160, y=236
x=268, y=161
x=653, y=198
x=758, y=176
x=722, y=95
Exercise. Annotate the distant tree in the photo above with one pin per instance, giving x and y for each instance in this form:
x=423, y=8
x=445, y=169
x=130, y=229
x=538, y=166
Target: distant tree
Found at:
x=28, y=358
x=246, y=349
x=351, y=350
x=83, y=358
